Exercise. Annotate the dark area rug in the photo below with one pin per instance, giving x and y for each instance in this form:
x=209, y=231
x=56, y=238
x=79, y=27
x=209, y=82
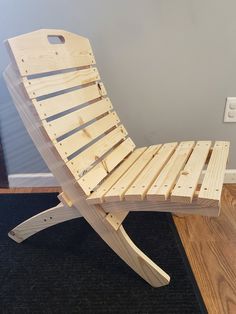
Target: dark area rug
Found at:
x=69, y=269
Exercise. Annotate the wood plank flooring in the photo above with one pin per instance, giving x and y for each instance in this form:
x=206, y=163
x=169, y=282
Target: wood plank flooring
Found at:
x=210, y=244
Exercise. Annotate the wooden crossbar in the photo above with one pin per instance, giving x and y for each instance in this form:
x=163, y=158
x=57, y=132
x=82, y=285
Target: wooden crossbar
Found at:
x=57, y=104
x=37, y=87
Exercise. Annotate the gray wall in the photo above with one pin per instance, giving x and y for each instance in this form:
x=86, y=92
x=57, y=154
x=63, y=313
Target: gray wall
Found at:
x=168, y=66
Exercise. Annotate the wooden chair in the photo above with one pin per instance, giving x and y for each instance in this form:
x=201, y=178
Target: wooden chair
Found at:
x=57, y=90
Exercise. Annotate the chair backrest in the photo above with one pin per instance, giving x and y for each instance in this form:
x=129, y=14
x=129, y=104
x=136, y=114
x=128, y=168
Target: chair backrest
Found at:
x=58, y=74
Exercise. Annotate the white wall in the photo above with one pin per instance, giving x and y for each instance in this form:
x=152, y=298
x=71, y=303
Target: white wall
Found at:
x=168, y=66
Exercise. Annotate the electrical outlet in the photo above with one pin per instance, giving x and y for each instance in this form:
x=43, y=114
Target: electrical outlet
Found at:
x=230, y=109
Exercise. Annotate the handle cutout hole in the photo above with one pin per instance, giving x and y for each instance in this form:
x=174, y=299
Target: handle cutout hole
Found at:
x=56, y=39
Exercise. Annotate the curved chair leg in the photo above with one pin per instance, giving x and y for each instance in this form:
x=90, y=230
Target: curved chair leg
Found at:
x=43, y=220
x=123, y=246
x=139, y=262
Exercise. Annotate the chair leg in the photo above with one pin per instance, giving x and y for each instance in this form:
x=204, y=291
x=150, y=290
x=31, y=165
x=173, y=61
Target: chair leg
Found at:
x=43, y=220
x=118, y=240
x=123, y=246
x=138, y=261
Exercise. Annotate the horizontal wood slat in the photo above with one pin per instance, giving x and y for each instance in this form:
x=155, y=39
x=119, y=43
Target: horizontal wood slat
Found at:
x=118, y=154
x=86, y=158
x=77, y=118
x=139, y=187
x=76, y=141
x=34, y=53
x=92, y=178
x=187, y=183
x=212, y=184
x=116, y=193
x=164, y=183
x=60, y=103
x=54, y=83
x=98, y=195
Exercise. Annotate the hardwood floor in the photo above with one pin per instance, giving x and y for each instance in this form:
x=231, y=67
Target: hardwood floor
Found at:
x=210, y=244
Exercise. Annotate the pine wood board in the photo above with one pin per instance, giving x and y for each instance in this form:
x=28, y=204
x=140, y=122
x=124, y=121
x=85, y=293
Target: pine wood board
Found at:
x=139, y=187
x=187, y=183
x=212, y=184
x=162, y=206
x=81, y=162
x=34, y=54
x=57, y=104
x=41, y=86
x=118, y=154
x=95, y=175
x=97, y=197
x=77, y=118
x=118, y=190
x=162, y=186
x=77, y=140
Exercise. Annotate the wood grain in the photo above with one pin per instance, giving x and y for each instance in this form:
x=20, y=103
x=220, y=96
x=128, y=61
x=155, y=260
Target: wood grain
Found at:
x=210, y=244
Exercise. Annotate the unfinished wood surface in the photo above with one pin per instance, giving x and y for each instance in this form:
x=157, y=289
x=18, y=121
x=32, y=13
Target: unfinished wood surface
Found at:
x=76, y=119
x=43, y=220
x=118, y=154
x=162, y=186
x=187, y=183
x=116, y=219
x=34, y=53
x=211, y=187
x=210, y=245
x=96, y=215
x=139, y=187
x=77, y=140
x=60, y=103
x=117, y=240
x=87, y=157
x=163, y=206
x=98, y=195
x=118, y=190
x=94, y=176
x=41, y=86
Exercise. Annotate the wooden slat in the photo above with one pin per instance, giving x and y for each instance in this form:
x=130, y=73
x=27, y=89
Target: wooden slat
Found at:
x=211, y=188
x=98, y=196
x=116, y=193
x=34, y=54
x=77, y=118
x=76, y=141
x=118, y=154
x=164, y=183
x=140, y=186
x=86, y=158
x=57, y=104
x=187, y=183
x=54, y=83
x=92, y=178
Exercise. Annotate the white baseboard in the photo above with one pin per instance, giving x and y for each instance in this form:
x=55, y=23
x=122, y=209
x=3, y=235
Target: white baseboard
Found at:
x=32, y=180
x=48, y=180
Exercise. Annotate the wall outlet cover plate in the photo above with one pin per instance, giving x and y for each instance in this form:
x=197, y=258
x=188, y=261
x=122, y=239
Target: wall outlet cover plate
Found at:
x=230, y=110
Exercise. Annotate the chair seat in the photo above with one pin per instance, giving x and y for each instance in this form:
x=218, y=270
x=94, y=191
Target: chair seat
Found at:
x=171, y=171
